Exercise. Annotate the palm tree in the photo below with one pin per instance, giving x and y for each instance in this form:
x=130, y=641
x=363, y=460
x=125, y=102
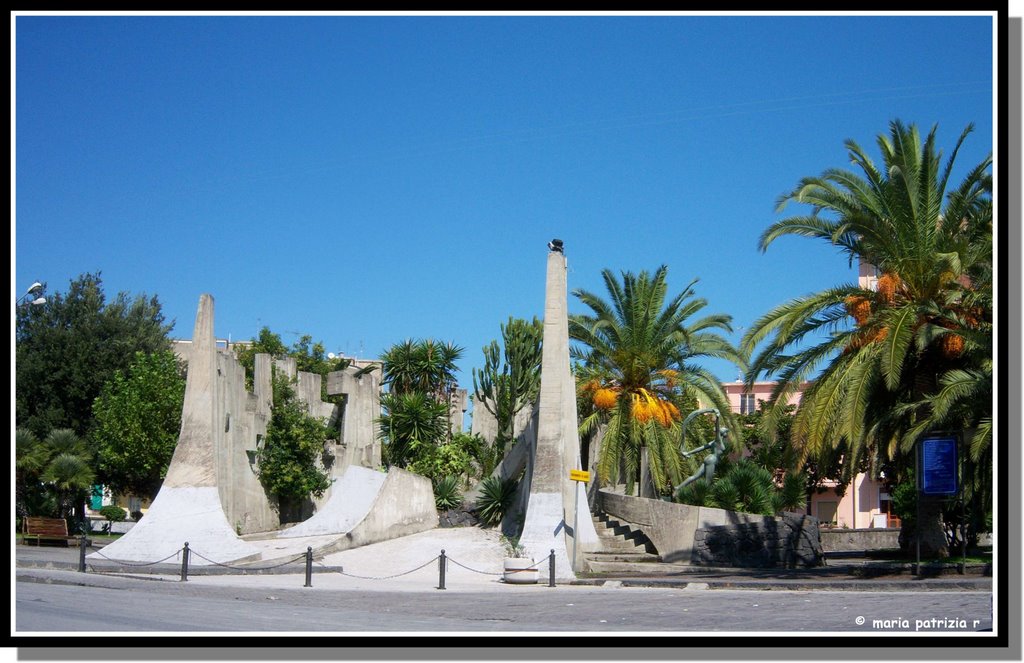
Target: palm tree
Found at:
x=70, y=476
x=30, y=460
x=419, y=375
x=60, y=465
x=410, y=422
x=638, y=369
x=927, y=316
x=427, y=366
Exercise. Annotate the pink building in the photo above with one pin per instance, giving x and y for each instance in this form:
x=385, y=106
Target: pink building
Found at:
x=865, y=503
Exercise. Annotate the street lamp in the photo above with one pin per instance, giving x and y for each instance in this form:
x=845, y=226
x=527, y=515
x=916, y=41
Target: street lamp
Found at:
x=24, y=299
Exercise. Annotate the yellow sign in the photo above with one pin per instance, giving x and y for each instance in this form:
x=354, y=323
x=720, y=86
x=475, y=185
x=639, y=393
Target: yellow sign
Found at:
x=579, y=475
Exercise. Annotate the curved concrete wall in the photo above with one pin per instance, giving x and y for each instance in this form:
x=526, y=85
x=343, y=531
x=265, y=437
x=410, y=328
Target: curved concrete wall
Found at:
x=352, y=497
x=404, y=505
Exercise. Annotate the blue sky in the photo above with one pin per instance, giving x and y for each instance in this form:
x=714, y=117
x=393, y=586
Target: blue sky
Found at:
x=369, y=179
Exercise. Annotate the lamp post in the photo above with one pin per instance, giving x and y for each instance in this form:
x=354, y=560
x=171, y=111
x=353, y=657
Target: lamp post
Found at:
x=25, y=300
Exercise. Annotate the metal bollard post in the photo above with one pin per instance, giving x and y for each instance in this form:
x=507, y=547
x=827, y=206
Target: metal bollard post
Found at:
x=184, y=563
x=81, y=554
x=551, y=568
x=309, y=567
x=442, y=561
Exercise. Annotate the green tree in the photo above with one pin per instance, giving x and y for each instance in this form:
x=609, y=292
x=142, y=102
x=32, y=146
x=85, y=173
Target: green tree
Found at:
x=309, y=356
x=419, y=376
x=289, y=463
x=505, y=387
x=450, y=458
x=881, y=373
x=796, y=476
x=55, y=475
x=70, y=346
x=639, y=368
x=136, y=423
x=412, y=424
x=425, y=366
x=113, y=514
x=31, y=457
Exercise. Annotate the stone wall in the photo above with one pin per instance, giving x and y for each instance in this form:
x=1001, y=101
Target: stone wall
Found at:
x=858, y=540
x=787, y=541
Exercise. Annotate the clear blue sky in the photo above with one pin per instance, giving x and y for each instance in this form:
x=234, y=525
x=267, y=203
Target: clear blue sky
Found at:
x=370, y=179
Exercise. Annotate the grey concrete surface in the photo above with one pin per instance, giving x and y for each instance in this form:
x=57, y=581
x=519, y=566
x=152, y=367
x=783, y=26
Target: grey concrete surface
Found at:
x=360, y=441
x=409, y=564
x=132, y=605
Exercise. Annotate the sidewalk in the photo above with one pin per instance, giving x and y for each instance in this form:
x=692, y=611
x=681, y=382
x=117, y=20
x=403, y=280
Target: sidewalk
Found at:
x=475, y=561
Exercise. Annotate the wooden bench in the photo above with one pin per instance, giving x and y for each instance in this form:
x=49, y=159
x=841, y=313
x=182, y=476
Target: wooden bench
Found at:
x=51, y=530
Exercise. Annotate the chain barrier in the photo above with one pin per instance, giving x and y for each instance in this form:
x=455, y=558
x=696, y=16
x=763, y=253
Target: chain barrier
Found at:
x=397, y=575
x=535, y=566
x=111, y=559
x=249, y=568
x=485, y=573
x=544, y=563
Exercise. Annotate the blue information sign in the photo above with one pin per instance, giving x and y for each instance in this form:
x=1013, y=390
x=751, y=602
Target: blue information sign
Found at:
x=939, y=465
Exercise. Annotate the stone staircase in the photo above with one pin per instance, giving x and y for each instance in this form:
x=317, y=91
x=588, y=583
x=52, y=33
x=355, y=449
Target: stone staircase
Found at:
x=625, y=551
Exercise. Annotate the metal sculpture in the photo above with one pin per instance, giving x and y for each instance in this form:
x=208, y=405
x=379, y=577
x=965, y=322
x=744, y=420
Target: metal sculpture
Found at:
x=717, y=447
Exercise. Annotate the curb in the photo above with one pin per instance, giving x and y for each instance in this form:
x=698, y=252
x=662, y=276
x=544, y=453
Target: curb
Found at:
x=829, y=585
x=175, y=569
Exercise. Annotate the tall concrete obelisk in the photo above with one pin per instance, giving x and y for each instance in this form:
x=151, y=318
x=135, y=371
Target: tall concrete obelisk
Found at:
x=188, y=506
x=553, y=497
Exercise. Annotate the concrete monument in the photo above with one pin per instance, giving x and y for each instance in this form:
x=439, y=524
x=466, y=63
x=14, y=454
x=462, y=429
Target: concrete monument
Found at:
x=212, y=493
x=551, y=511
x=188, y=507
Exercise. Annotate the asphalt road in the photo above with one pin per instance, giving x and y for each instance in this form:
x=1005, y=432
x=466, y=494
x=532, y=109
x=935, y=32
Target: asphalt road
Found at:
x=150, y=605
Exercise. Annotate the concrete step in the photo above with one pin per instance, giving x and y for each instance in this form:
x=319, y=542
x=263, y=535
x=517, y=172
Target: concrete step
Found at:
x=620, y=545
x=615, y=556
x=635, y=568
x=616, y=535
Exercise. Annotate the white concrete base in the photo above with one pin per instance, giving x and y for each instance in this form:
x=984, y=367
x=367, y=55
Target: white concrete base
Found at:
x=181, y=514
x=544, y=530
x=588, y=533
x=351, y=498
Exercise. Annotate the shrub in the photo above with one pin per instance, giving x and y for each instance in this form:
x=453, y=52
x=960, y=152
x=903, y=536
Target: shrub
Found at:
x=496, y=496
x=446, y=493
x=697, y=493
x=746, y=488
x=136, y=516
x=512, y=547
x=113, y=513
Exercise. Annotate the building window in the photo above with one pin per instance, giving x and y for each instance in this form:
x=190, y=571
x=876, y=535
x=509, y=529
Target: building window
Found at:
x=747, y=404
x=827, y=511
